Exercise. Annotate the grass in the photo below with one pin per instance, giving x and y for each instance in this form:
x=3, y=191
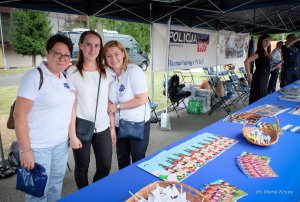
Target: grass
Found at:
x=7, y=95
x=159, y=98
x=14, y=70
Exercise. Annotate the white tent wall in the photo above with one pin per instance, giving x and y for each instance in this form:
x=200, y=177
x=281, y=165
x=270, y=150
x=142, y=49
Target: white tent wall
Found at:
x=193, y=48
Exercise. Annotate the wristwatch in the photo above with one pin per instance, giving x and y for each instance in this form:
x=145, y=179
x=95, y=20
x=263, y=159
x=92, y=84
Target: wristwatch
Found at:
x=118, y=106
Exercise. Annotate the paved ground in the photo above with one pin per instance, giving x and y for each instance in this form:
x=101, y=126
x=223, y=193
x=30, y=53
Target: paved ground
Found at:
x=10, y=80
x=181, y=127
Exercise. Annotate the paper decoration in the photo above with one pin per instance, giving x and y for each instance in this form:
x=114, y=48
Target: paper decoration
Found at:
x=183, y=160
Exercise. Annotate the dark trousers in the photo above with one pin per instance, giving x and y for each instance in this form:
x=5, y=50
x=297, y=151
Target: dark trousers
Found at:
x=132, y=149
x=290, y=76
x=273, y=81
x=102, y=146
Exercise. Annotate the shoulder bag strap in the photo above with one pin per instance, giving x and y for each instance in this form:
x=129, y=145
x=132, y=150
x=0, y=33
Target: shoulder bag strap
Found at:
x=97, y=100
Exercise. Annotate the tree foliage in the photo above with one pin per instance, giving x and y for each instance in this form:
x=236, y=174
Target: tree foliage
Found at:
x=30, y=30
x=140, y=31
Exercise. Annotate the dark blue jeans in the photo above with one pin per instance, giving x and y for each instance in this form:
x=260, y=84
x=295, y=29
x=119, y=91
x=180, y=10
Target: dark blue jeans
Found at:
x=290, y=76
x=132, y=150
x=102, y=146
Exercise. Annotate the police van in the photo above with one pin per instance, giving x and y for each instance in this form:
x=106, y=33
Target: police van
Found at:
x=135, y=52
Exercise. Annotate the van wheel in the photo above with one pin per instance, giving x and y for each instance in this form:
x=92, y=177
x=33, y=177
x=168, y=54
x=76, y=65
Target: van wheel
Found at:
x=144, y=66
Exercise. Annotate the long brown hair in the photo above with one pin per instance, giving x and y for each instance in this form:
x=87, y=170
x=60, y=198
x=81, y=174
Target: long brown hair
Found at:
x=260, y=48
x=99, y=59
x=120, y=46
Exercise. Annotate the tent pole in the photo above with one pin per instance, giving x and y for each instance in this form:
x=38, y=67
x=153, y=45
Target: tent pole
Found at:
x=3, y=52
x=151, y=51
x=167, y=60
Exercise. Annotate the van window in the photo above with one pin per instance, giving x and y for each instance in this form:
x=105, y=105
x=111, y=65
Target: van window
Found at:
x=75, y=37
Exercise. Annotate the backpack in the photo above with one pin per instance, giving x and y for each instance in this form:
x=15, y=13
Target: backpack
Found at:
x=173, y=85
x=13, y=156
x=10, y=121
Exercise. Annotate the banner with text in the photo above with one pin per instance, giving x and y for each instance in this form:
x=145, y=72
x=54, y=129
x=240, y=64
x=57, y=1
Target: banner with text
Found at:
x=193, y=48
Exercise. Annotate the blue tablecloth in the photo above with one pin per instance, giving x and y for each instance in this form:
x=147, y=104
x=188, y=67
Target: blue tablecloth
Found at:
x=285, y=161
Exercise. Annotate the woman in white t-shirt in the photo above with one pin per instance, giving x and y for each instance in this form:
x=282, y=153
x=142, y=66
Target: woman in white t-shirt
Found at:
x=85, y=78
x=129, y=101
x=43, y=114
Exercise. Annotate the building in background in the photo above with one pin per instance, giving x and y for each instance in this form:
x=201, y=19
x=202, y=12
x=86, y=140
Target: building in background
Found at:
x=59, y=21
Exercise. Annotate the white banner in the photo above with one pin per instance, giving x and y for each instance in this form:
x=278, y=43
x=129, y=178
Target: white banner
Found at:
x=233, y=47
x=159, y=35
x=194, y=48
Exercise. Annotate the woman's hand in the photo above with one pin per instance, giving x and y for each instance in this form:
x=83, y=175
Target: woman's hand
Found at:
x=250, y=78
x=113, y=136
x=75, y=143
x=27, y=160
x=112, y=108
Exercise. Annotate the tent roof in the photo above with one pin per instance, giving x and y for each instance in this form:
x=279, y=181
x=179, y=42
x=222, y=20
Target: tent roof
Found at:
x=252, y=16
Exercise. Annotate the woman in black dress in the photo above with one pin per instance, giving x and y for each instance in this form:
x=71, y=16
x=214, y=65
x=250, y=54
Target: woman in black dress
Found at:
x=259, y=81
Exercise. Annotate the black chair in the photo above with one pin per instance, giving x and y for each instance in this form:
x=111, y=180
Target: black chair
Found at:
x=241, y=89
x=153, y=107
x=221, y=100
x=175, y=94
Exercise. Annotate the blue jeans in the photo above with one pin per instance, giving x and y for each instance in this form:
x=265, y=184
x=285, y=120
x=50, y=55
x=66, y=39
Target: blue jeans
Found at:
x=290, y=76
x=54, y=159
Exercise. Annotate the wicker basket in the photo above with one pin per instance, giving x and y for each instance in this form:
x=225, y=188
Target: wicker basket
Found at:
x=191, y=193
x=273, y=133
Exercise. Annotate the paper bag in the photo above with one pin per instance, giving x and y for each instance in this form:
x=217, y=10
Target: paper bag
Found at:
x=165, y=123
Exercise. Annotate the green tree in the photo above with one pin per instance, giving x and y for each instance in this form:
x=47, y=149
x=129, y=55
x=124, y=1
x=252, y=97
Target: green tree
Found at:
x=93, y=22
x=140, y=31
x=30, y=30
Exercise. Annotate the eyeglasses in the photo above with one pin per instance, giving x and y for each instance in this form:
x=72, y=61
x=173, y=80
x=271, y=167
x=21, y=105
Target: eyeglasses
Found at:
x=58, y=55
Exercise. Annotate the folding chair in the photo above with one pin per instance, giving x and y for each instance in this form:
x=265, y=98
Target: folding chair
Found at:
x=153, y=108
x=213, y=74
x=241, y=90
x=244, y=73
x=221, y=100
x=175, y=94
x=186, y=75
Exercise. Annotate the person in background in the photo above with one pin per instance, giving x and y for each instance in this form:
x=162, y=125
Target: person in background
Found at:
x=260, y=79
x=42, y=117
x=85, y=78
x=129, y=101
x=276, y=57
x=291, y=66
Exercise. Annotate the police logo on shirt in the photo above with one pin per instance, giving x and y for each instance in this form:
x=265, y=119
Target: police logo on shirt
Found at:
x=122, y=88
x=66, y=85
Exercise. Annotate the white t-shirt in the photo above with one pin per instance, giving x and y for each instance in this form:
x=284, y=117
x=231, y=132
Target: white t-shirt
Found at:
x=131, y=82
x=87, y=88
x=276, y=54
x=50, y=115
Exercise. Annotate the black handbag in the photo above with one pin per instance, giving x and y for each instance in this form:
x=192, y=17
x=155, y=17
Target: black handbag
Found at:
x=131, y=129
x=85, y=128
x=33, y=181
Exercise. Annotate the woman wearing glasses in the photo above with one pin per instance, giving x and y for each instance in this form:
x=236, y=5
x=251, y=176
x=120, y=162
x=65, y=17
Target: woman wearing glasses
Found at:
x=85, y=77
x=43, y=114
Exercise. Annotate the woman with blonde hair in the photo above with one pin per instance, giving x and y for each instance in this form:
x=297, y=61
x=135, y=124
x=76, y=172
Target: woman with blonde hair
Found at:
x=128, y=100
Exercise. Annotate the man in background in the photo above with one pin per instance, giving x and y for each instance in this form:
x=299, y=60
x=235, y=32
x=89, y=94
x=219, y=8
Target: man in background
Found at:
x=291, y=56
x=276, y=58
